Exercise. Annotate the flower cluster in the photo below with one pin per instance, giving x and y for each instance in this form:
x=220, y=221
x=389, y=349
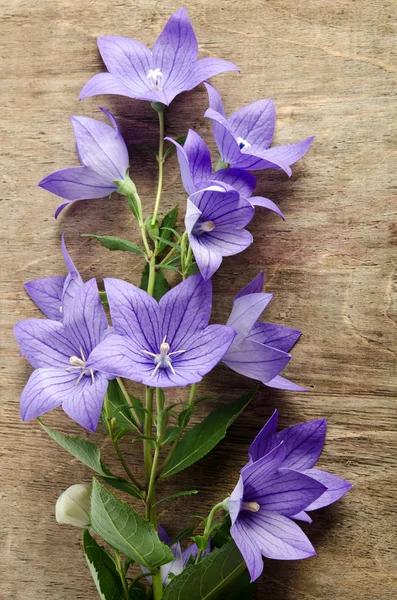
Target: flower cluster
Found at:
x=160, y=336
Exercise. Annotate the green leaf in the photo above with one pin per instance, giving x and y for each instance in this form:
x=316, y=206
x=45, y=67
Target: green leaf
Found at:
x=211, y=579
x=167, y=223
x=119, y=408
x=138, y=592
x=222, y=534
x=161, y=285
x=103, y=570
x=186, y=493
x=204, y=436
x=123, y=485
x=193, y=269
x=123, y=528
x=169, y=243
x=87, y=452
x=171, y=435
x=182, y=534
x=114, y=243
x=169, y=268
x=184, y=416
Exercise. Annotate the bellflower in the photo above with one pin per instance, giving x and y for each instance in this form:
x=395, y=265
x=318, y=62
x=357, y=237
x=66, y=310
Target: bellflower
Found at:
x=104, y=162
x=60, y=353
x=215, y=221
x=303, y=445
x=156, y=75
x=260, y=350
x=244, y=138
x=161, y=344
x=53, y=294
x=196, y=171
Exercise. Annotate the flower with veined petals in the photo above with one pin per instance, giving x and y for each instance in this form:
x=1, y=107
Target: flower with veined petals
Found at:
x=215, y=221
x=244, y=138
x=260, y=350
x=156, y=75
x=161, y=344
x=196, y=171
x=52, y=294
x=60, y=353
x=104, y=161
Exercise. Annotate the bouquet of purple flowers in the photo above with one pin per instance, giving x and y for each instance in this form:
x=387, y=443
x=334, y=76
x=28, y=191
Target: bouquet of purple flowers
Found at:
x=93, y=340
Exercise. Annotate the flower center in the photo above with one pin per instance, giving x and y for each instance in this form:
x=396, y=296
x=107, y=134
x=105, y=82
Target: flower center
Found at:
x=155, y=76
x=162, y=360
x=78, y=362
x=243, y=144
x=203, y=227
x=250, y=506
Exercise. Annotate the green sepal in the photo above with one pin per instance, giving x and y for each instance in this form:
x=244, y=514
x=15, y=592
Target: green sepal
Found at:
x=153, y=230
x=102, y=568
x=201, y=542
x=114, y=243
x=221, y=165
x=158, y=106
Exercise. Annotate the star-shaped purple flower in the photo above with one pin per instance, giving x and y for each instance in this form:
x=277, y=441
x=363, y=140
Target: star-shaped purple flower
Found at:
x=156, y=75
x=161, y=344
x=215, y=221
x=244, y=138
x=196, y=171
x=260, y=350
x=60, y=353
x=104, y=158
x=53, y=294
x=270, y=492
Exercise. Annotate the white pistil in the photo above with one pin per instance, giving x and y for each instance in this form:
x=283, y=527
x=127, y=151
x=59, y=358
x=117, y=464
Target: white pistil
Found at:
x=243, y=144
x=80, y=363
x=163, y=359
x=250, y=506
x=205, y=227
x=155, y=76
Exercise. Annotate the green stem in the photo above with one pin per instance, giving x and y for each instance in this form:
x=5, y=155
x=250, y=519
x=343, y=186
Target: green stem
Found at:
x=192, y=393
x=208, y=526
x=169, y=255
x=121, y=572
x=127, y=398
x=160, y=160
x=152, y=275
x=147, y=431
x=157, y=586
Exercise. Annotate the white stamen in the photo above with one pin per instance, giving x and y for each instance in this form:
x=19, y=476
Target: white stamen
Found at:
x=243, y=144
x=80, y=363
x=162, y=360
x=155, y=76
x=250, y=506
x=203, y=227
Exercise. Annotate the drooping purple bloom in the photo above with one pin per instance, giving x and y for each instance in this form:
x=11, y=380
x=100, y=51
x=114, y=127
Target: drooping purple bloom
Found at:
x=53, y=294
x=104, y=161
x=196, y=171
x=156, y=75
x=260, y=350
x=279, y=484
x=161, y=344
x=244, y=138
x=215, y=221
x=60, y=353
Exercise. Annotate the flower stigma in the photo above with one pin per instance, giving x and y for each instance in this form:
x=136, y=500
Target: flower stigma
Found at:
x=250, y=506
x=162, y=360
x=80, y=363
x=243, y=144
x=155, y=76
x=203, y=227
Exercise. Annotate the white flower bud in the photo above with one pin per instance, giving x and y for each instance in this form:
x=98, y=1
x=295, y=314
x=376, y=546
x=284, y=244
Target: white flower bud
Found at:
x=73, y=506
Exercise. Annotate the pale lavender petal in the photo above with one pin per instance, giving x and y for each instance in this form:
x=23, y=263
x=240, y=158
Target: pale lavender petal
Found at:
x=105, y=83
x=192, y=551
x=44, y=343
x=255, y=360
x=45, y=390
x=255, y=124
x=266, y=203
x=175, y=567
x=209, y=67
x=46, y=293
x=84, y=403
x=121, y=356
x=265, y=441
x=198, y=156
x=284, y=156
x=235, y=500
x=336, y=487
x=253, y=287
x=186, y=173
x=277, y=336
x=227, y=242
x=225, y=140
x=208, y=258
x=303, y=444
x=251, y=552
x=215, y=99
x=302, y=516
x=242, y=181
x=128, y=60
x=281, y=383
x=77, y=183
x=246, y=310
x=73, y=281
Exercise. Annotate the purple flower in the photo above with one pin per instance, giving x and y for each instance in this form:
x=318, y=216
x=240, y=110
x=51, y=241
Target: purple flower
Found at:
x=104, y=159
x=60, y=353
x=260, y=350
x=158, y=75
x=196, y=171
x=215, y=221
x=161, y=344
x=277, y=485
x=53, y=294
x=244, y=138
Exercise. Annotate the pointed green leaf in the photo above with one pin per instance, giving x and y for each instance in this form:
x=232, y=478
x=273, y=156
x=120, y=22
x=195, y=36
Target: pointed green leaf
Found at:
x=211, y=579
x=118, y=407
x=161, y=285
x=103, y=570
x=114, y=243
x=87, y=452
x=177, y=495
x=171, y=435
x=123, y=528
x=166, y=224
x=123, y=485
x=204, y=436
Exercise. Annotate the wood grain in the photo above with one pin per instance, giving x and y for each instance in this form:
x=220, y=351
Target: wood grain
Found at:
x=331, y=69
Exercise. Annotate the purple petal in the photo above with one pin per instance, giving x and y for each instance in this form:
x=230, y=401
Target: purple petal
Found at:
x=225, y=140
x=302, y=516
x=208, y=257
x=266, y=203
x=77, y=183
x=280, y=383
x=254, y=287
x=101, y=147
x=255, y=124
x=198, y=156
x=227, y=209
x=192, y=551
x=235, y=500
x=246, y=311
x=186, y=173
x=265, y=441
x=129, y=61
x=251, y=552
x=163, y=535
x=209, y=67
x=336, y=487
x=105, y=83
x=175, y=567
x=46, y=293
x=73, y=281
x=284, y=156
x=276, y=336
x=244, y=183
x=215, y=99
x=84, y=403
x=44, y=343
x=255, y=360
x=260, y=472
x=45, y=390
x=303, y=444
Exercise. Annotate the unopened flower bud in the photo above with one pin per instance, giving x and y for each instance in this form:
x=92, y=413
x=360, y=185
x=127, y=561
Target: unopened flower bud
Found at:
x=73, y=506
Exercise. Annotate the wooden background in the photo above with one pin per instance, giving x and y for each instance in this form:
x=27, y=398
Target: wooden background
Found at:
x=331, y=68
